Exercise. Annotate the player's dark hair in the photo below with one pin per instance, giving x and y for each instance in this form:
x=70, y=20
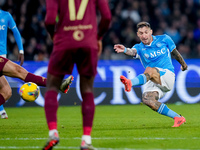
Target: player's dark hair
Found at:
x=143, y=24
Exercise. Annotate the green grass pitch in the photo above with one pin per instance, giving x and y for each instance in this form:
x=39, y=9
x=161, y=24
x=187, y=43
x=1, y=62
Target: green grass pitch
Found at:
x=119, y=127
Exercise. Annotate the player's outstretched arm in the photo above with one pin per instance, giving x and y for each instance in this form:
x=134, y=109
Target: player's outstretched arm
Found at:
x=180, y=59
x=119, y=48
x=19, y=44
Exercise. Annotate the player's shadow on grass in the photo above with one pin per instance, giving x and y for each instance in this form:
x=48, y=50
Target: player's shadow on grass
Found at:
x=145, y=127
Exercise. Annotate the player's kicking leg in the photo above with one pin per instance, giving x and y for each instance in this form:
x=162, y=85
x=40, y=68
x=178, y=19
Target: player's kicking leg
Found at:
x=12, y=69
x=139, y=80
x=149, y=74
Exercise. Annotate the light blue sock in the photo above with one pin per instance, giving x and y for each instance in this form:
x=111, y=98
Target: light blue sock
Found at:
x=139, y=80
x=1, y=108
x=164, y=110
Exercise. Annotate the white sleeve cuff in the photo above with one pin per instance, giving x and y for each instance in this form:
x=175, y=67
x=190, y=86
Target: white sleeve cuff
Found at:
x=21, y=51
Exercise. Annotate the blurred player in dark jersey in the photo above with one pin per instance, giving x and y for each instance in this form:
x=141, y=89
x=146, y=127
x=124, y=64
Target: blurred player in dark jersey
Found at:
x=11, y=69
x=77, y=40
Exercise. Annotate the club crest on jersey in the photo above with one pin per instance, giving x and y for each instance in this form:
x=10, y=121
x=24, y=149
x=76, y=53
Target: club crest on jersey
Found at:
x=158, y=44
x=2, y=20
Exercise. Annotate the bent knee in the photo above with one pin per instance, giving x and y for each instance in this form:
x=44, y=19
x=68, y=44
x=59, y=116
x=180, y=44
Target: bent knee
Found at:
x=151, y=71
x=20, y=72
x=7, y=94
x=148, y=69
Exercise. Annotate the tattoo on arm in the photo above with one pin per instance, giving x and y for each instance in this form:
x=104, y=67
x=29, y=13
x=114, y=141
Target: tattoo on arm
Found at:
x=179, y=58
x=131, y=52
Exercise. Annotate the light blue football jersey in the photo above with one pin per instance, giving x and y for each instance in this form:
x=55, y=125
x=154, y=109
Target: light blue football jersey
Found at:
x=6, y=21
x=158, y=53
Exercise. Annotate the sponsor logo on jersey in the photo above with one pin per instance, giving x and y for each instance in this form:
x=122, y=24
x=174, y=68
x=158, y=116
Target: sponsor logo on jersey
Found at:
x=78, y=35
x=2, y=27
x=143, y=49
x=158, y=53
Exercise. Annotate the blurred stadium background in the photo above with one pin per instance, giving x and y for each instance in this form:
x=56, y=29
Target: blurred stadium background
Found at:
x=180, y=19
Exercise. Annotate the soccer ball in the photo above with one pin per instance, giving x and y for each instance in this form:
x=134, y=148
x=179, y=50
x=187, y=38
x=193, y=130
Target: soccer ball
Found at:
x=29, y=91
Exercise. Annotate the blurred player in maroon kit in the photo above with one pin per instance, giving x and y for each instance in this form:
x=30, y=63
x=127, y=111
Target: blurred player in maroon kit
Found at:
x=77, y=40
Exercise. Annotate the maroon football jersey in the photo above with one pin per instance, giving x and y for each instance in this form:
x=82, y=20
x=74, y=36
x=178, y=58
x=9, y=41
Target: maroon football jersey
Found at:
x=74, y=22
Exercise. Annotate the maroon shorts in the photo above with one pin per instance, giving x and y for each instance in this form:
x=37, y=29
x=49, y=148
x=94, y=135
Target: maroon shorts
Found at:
x=3, y=61
x=62, y=61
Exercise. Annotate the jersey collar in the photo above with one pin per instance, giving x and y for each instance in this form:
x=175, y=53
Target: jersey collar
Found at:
x=154, y=38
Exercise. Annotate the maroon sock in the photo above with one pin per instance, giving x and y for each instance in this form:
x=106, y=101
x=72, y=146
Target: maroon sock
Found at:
x=41, y=81
x=2, y=100
x=51, y=107
x=88, y=109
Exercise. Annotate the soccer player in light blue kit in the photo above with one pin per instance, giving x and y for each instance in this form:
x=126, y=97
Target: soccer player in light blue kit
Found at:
x=7, y=21
x=158, y=77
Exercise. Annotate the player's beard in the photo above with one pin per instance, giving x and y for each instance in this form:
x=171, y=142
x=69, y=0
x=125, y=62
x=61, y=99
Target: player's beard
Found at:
x=146, y=42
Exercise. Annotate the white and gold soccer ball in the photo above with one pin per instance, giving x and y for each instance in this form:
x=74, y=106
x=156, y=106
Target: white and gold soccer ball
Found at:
x=29, y=91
